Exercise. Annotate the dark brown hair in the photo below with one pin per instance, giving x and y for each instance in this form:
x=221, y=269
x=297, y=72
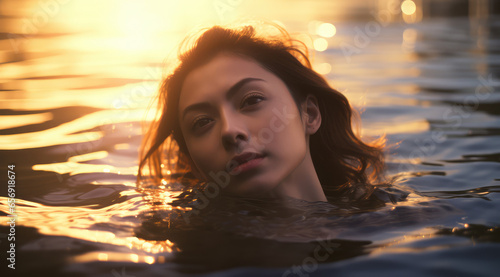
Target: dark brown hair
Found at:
x=340, y=158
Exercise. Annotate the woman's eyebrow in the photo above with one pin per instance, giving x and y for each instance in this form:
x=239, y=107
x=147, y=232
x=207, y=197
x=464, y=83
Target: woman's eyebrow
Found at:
x=236, y=87
x=229, y=94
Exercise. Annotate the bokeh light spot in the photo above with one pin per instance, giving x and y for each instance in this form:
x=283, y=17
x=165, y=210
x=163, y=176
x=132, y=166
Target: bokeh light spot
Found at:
x=326, y=30
x=320, y=44
x=408, y=7
x=323, y=68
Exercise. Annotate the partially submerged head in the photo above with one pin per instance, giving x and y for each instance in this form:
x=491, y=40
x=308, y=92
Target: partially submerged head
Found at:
x=250, y=114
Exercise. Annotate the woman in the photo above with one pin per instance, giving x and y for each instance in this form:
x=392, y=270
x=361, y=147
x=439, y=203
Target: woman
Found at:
x=248, y=116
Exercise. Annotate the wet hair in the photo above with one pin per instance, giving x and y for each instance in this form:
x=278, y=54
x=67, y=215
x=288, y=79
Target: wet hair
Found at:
x=341, y=159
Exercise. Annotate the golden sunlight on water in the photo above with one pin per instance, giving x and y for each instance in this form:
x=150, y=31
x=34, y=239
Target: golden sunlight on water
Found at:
x=68, y=132
x=51, y=221
x=21, y=120
x=407, y=125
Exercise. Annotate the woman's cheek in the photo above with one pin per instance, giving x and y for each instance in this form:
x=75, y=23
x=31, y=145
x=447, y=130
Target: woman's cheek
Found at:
x=203, y=155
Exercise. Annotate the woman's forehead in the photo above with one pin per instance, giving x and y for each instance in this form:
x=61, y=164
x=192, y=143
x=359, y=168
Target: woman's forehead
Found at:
x=218, y=75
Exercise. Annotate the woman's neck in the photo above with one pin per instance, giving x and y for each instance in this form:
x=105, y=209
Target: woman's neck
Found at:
x=302, y=184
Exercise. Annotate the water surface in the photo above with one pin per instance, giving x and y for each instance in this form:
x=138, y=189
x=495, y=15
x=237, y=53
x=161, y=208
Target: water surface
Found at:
x=74, y=90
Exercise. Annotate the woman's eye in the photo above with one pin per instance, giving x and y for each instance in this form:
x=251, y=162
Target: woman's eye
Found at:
x=200, y=123
x=251, y=100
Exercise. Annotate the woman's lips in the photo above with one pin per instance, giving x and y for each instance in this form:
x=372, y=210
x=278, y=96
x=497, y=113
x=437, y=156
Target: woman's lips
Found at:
x=245, y=162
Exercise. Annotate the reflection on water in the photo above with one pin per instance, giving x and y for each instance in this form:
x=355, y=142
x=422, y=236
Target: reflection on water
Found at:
x=76, y=81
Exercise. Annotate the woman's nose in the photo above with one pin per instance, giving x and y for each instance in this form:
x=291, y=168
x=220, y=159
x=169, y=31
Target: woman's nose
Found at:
x=234, y=131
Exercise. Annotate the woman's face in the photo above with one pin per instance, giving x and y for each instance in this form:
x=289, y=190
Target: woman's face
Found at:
x=241, y=126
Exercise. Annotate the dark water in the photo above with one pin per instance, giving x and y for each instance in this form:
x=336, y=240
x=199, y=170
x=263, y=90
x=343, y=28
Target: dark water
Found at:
x=73, y=95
